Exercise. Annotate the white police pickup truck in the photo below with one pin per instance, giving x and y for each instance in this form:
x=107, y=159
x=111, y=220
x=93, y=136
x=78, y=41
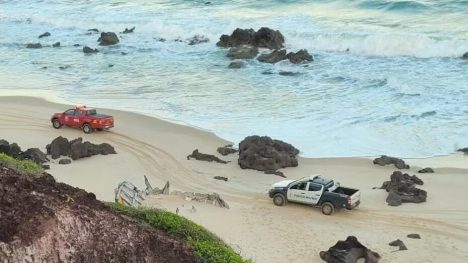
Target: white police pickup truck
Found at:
x=315, y=191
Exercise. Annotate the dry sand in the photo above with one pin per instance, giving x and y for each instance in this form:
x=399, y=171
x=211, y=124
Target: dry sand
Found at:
x=253, y=225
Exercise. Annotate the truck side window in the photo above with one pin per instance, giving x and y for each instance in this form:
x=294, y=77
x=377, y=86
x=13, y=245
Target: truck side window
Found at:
x=314, y=187
x=69, y=112
x=300, y=186
x=78, y=113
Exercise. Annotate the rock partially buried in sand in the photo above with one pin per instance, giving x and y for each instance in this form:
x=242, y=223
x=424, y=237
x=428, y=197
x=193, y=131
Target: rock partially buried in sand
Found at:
x=204, y=157
x=414, y=236
x=385, y=160
x=226, y=150
x=401, y=189
x=349, y=251
x=65, y=161
x=88, y=50
x=108, y=38
x=242, y=52
x=221, y=178
x=301, y=56
x=34, y=45
x=273, y=57
x=263, y=154
x=398, y=243
x=426, y=170
x=46, y=34
x=278, y=173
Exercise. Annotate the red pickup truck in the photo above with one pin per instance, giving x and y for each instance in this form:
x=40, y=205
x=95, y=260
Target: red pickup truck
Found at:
x=82, y=117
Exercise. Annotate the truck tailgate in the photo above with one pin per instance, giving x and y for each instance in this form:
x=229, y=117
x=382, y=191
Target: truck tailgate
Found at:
x=356, y=197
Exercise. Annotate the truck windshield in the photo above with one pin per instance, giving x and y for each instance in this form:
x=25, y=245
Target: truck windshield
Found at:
x=91, y=112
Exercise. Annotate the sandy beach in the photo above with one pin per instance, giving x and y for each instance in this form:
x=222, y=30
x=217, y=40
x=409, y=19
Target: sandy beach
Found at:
x=253, y=225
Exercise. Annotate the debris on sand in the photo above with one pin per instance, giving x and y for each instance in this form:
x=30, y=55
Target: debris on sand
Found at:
x=204, y=157
x=349, y=251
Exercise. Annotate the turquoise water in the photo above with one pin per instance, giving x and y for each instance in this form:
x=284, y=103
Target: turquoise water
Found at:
x=387, y=76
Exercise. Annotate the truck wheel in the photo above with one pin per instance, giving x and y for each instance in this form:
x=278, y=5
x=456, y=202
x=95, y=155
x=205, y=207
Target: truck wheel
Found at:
x=279, y=200
x=56, y=124
x=87, y=128
x=328, y=208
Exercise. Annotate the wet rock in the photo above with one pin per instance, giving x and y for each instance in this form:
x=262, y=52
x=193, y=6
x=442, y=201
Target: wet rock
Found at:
x=263, y=153
x=46, y=34
x=221, y=178
x=226, y=150
x=236, y=65
x=237, y=38
x=301, y=56
x=56, y=44
x=288, y=73
x=123, y=53
x=88, y=50
x=110, y=65
x=198, y=39
x=268, y=38
x=401, y=189
x=108, y=38
x=398, y=243
x=127, y=31
x=426, y=170
x=35, y=155
x=414, y=236
x=160, y=39
x=93, y=30
x=76, y=45
x=34, y=45
x=204, y=157
x=385, y=160
x=273, y=57
x=278, y=173
x=242, y=52
x=65, y=161
x=349, y=251
x=64, y=67
x=463, y=150
x=465, y=56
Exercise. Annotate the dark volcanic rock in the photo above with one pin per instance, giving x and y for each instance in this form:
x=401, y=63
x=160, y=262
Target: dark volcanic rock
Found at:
x=385, y=160
x=237, y=38
x=349, y=251
x=64, y=67
x=45, y=221
x=88, y=50
x=34, y=45
x=263, y=153
x=76, y=45
x=198, y=39
x=279, y=173
x=45, y=166
x=236, y=64
x=225, y=150
x=288, y=73
x=414, y=236
x=268, y=38
x=426, y=170
x=242, y=52
x=108, y=38
x=465, y=56
x=65, y=161
x=12, y=150
x=56, y=44
x=93, y=30
x=60, y=146
x=463, y=150
x=273, y=57
x=301, y=56
x=398, y=243
x=127, y=31
x=401, y=189
x=221, y=178
x=77, y=149
x=204, y=157
x=46, y=34
x=35, y=155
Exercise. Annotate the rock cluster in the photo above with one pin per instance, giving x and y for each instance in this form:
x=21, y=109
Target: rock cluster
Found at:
x=349, y=251
x=385, y=160
x=401, y=189
x=14, y=150
x=76, y=149
x=266, y=154
x=264, y=37
x=198, y=39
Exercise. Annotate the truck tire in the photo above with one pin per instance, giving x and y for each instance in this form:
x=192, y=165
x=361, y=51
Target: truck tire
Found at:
x=328, y=208
x=87, y=128
x=279, y=199
x=56, y=123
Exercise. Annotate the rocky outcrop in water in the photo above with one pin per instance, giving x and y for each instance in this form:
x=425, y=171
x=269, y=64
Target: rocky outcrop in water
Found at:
x=46, y=34
x=108, y=38
x=128, y=31
x=204, y=157
x=88, y=50
x=465, y=56
x=264, y=37
x=386, y=160
x=76, y=148
x=463, y=150
x=56, y=44
x=300, y=57
x=226, y=150
x=14, y=150
x=273, y=57
x=94, y=30
x=34, y=45
x=198, y=39
x=263, y=154
x=236, y=65
x=45, y=221
x=242, y=52
x=349, y=251
x=401, y=189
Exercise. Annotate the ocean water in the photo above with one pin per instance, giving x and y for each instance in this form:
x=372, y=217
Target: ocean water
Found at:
x=387, y=76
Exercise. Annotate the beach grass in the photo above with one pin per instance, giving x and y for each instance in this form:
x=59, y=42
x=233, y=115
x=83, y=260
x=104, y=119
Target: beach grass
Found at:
x=208, y=247
x=24, y=167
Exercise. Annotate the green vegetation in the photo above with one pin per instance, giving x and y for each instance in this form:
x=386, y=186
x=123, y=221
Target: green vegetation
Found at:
x=208, y=247
x=24, y=167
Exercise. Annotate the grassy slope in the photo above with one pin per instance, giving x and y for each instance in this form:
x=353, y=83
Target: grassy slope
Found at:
x=24, y=167
x=208, y=247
